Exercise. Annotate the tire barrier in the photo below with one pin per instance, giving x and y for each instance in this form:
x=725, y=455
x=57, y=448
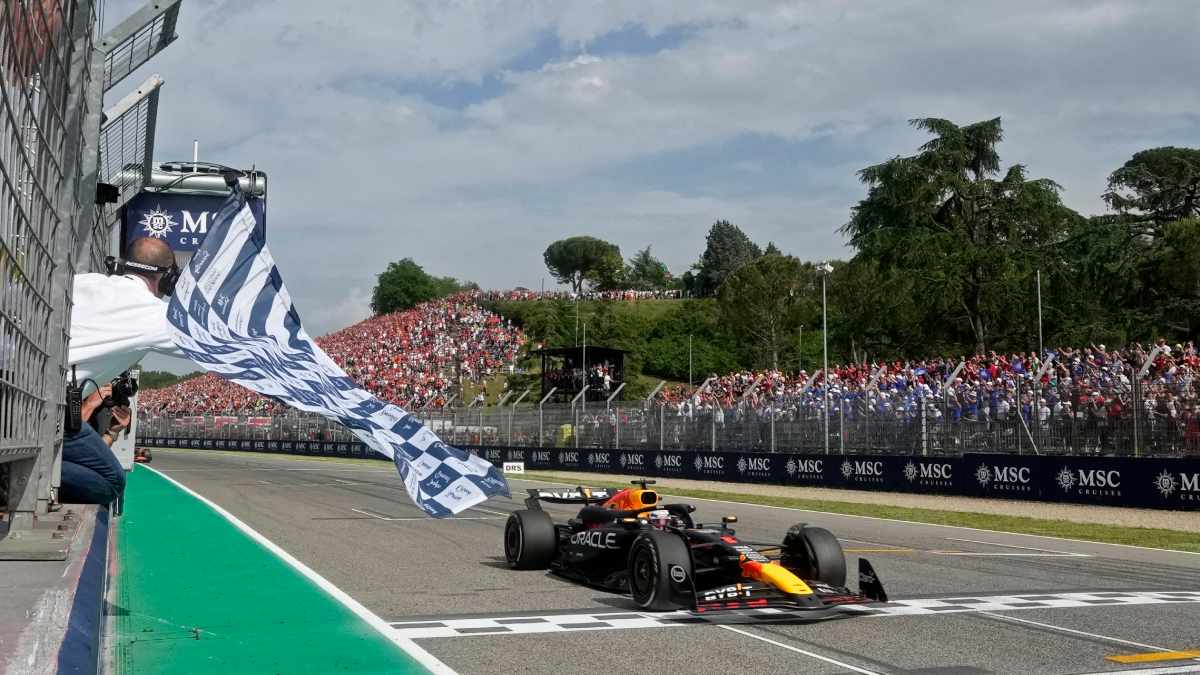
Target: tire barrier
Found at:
x=1157, y=483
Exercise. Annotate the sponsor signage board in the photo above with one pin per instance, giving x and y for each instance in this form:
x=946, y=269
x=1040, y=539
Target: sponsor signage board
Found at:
x=179, y=219
x=1163, y=483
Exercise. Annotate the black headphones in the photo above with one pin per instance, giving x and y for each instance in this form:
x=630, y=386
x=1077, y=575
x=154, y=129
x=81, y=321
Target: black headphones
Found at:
x=166, y=283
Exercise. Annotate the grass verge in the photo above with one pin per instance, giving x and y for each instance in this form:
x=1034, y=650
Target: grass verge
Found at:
x=1110, y=534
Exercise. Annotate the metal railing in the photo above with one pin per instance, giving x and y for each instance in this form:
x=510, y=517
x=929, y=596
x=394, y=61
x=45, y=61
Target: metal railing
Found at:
x=54, y=72
x=921, y=429
x=45, y=49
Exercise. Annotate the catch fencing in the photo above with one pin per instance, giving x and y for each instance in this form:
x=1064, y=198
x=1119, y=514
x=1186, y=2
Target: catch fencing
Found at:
x=45, y=49
x=67, y=166
x=925, y=430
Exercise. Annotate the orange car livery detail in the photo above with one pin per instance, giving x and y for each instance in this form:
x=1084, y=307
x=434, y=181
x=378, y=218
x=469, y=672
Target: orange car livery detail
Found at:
x=631, y=499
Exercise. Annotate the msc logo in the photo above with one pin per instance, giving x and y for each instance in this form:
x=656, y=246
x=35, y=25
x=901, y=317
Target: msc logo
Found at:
x=863, y=470
x=570, y=457
x=1006, y=478
x=709, y=463
x=805, y=466
x=632, y=460
x=597, y=458
x=754, y=464
x=1096, y=482
x=157, y=223
x=542, y=456
x=1188, y=485
x=927, y=471
x=516, y=455
x=674, y=462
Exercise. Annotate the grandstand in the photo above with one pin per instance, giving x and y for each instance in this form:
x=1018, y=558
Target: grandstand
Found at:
x=413, y=358
x=1093, y=399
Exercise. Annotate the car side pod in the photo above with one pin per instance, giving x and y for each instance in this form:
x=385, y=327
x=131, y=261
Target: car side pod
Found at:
x=868, y=582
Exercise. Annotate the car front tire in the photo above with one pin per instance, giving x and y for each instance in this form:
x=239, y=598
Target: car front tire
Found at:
x=529, y=540
x=660, y=568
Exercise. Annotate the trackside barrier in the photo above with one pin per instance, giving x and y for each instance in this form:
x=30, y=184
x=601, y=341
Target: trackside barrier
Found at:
x=1157, y=483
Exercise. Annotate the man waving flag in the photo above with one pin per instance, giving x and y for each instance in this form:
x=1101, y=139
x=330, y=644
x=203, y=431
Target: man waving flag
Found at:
x=232, y=314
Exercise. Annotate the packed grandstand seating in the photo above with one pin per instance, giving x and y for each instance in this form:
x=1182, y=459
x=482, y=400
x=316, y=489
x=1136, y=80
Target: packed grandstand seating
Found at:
x=624, y=295
x=1089, y=383
x=411, y=358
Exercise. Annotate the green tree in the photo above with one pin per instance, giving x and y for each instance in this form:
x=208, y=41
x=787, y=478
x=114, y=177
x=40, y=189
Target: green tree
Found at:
x=647, y=273
x=578, y=259
x=970, y=237
x=772, y=249
x=726, y=250
x=1157, y=186
x=405, y=284
x=763, y=302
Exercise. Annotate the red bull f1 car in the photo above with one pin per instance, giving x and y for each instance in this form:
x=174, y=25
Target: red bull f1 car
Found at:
x=626, y=541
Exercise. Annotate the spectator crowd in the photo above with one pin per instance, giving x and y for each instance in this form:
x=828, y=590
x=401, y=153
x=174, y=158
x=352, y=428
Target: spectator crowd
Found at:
x=1089, y=388
x=412, y=358
x=616, y=296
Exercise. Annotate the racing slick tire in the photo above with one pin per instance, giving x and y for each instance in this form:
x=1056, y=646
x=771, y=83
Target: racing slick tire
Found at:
x=814, y=554
x=529, y=540
x=659, y=571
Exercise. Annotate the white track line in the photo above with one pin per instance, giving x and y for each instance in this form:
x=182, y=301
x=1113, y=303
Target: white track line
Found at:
x=1005, y=617
x=1024, y=548
x=819, y=657
x=392, y=519
x=667, y=492
x=411, y=648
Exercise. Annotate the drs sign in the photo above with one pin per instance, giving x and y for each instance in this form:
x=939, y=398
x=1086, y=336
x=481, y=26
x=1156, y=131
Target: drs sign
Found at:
x=181, y=220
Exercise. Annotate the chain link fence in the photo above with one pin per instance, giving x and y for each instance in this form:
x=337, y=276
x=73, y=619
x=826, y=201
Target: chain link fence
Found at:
x=853, y=428
x=45, y=46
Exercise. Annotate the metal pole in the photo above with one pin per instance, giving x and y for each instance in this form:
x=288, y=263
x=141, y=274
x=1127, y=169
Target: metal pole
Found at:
x=825, y=355
x=575, y=415
x=512, y=412
x=772, y=427
x=1136, y=410
x=800, y=353
x=617, y=419
x=842, y=425
x=541, y=419
x=713, y=425
x=689, y=359
x=585, y=370
x=1041, y=348
x=662, y=424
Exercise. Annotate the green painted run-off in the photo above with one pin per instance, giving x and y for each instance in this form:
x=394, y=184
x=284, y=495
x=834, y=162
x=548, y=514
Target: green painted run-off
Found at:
x=194, y=594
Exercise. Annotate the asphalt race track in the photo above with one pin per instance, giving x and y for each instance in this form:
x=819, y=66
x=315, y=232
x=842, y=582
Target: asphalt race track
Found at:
x=964, y=601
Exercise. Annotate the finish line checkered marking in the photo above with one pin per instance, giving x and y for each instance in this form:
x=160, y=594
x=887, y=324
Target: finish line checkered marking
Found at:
x=516, y=624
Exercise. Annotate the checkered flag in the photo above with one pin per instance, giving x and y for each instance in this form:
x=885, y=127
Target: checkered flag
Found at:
x=232, y=315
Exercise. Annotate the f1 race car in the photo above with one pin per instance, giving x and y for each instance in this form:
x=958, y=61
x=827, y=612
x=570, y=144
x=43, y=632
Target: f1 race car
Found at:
x=628, y=542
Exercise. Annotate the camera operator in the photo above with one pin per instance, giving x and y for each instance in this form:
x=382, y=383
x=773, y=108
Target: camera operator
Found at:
x=117, y=319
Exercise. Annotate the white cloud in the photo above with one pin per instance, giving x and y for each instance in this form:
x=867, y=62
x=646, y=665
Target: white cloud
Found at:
x=366, y=169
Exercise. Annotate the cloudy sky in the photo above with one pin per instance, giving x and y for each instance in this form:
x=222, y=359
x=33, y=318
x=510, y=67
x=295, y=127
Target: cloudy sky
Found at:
x=469, y=134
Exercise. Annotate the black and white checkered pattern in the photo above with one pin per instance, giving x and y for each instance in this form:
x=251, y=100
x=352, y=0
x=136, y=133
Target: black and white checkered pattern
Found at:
x=523, y=625
x=232, y=314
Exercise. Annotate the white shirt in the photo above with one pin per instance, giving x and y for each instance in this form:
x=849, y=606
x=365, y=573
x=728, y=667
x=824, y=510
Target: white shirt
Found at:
x=114, y=323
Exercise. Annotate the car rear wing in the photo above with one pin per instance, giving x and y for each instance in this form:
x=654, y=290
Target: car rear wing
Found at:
x=579, y=495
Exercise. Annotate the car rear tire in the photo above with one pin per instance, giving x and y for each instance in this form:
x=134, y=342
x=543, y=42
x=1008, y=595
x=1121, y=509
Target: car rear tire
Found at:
x=659, y=567
x=815, y=554
x=529, y=540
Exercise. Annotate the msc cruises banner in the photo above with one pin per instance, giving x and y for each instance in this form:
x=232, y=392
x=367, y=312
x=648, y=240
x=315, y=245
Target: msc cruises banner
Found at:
x=181, y=220
x=1147, y=482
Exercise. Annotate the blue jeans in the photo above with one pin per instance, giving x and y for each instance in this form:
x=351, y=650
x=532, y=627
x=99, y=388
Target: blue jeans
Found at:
x=91, y=473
